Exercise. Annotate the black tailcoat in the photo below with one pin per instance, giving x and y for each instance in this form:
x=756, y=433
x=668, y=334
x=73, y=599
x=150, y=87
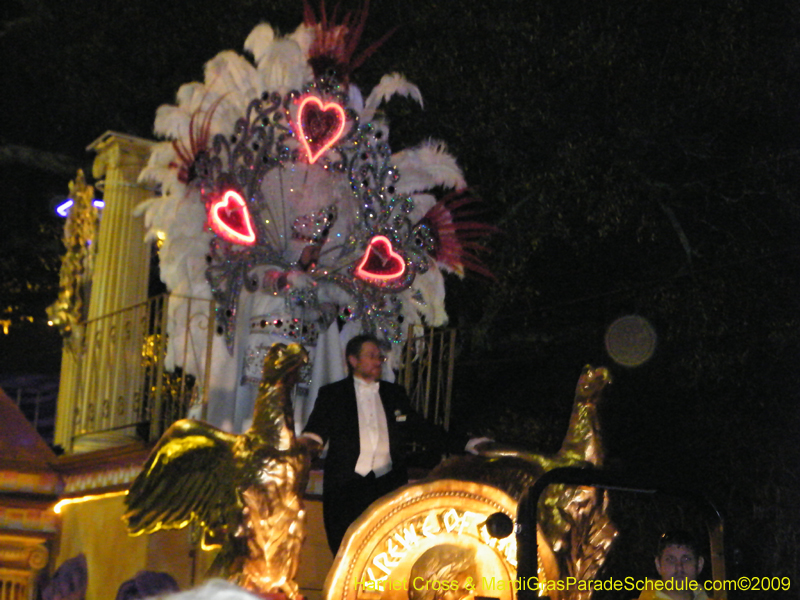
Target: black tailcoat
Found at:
x=335, y=419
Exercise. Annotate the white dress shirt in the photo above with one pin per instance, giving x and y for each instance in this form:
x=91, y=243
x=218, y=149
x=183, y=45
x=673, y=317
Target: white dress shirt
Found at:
x=373, y=430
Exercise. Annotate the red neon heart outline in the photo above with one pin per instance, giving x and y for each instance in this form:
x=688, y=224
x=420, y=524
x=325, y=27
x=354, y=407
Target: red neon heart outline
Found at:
x=312, y=157
x=246, y=238
x=388, y=252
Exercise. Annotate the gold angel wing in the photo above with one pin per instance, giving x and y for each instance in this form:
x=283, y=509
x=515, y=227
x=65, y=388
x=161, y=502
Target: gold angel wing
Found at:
x=191, y=474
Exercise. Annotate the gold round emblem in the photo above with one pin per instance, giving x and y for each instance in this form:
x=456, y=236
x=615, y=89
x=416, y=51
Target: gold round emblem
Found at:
x=427, y=541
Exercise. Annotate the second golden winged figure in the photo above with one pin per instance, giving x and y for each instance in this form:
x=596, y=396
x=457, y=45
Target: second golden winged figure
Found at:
x=245, y=491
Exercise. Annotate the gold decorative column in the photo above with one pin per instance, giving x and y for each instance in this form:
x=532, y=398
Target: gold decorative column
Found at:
x=108, y=391
x=121, y=266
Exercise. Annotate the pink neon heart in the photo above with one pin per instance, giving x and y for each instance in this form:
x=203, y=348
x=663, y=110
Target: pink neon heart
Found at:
x=381, y=261
x=320, y=126
x=231, y=219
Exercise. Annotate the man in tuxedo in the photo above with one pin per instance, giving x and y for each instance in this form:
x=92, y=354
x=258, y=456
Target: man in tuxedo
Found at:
x=366, y=423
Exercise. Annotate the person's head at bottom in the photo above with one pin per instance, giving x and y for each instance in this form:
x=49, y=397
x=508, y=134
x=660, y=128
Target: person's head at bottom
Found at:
x=678, y=560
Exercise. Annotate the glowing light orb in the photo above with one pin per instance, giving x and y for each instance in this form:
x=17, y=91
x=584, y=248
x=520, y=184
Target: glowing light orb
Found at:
x=630, y=341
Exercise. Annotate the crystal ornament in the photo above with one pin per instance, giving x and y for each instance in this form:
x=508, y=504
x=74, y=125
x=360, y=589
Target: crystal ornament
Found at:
x=316, y=226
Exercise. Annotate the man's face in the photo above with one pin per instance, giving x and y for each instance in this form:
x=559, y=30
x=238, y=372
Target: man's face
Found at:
x=679, y=563
x=369, y=362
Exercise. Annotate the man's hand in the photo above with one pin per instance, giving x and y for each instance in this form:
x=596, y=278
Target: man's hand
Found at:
x=312, y=444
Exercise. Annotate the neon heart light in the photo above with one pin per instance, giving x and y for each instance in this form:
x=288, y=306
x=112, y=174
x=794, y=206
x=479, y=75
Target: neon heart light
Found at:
x=381, y=261
x=320, y=125
x=231, y=219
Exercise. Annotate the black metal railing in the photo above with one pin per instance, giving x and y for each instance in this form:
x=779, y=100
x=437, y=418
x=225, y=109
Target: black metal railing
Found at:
x=427, y=372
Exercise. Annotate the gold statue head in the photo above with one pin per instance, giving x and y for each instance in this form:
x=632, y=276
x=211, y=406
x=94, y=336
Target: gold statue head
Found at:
x=592, y=381
x=283, y=361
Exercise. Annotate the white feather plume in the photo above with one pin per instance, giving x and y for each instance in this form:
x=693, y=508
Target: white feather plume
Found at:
x=232, y=76
x=172, y=122
x=390, y=85
x=355, y=99
x=304, y=36
x=285, y=66
x=190, y=95
x=161, y=155
x=427, y=166
x=430, y=286
x=259, y=41
x=158, y=168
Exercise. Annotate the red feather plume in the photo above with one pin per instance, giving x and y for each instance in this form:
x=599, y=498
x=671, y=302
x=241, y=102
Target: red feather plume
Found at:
x=336, y=40
x=458, y=239
x=199, y=134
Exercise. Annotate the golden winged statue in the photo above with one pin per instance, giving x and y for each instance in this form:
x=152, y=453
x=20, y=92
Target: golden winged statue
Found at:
x=575, y=531
x=245, y=491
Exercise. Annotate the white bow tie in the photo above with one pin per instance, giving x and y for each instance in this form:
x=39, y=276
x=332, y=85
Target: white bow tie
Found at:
x=369, y=386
